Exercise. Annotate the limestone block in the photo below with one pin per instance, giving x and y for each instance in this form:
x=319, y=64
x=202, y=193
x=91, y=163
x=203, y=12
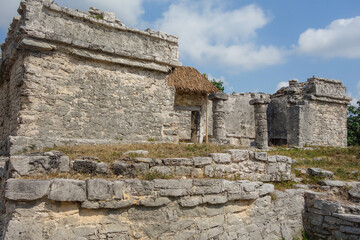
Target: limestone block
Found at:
x=108, y=16
x=67, y=190
x=238, y=155
x=233, y=186
x=84, y=166
x=190, y=201
x=355, y=193
x=178, y=162
x=202, y=161
x=207, y=186
x=283, y=159
x=174, y=192
x=266, y=189
x=210, y=222
x=119, y=187
x=34, y=165
x=137, y=187
x=215, y=199
x=164, y=170
x=173, y=183
x=154, y=201
x=183, y=171
x=99, y=189
x=219, y=170
x=151, y=161
x=261, y=156
x=318, y=172
x=221, y=157
x=332, y=183
x=129, y=169
x=102, y=168
x=116, y=204
x=19, y=189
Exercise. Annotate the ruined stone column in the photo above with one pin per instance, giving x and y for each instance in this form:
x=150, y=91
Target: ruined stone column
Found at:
x=261, y=127
x=219, y=129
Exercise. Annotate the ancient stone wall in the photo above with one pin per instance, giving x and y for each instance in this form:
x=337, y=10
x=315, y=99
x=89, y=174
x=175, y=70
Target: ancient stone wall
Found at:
x=84, y=78
x=240, y=118
x=158, y=209
x=236, y=164
x=324, y=219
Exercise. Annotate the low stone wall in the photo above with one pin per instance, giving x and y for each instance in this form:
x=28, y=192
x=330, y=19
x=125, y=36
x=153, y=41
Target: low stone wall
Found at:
x=158, y=209
x=324, y=219
x=236, y=164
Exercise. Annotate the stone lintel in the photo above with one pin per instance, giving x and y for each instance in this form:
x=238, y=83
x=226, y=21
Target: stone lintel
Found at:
x=260, y=101
x=218, y=96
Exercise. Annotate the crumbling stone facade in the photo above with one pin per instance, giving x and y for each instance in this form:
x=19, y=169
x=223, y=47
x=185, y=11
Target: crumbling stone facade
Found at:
x=73, y=77
x=309, y=113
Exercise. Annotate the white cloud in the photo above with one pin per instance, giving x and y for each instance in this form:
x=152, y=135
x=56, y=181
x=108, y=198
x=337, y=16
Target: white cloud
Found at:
x=7, y=12
x=126, y=11
x=339, y=39
x=210, y=34
x=281, y=85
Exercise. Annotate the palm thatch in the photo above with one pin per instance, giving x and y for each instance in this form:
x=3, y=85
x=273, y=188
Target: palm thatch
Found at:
x=188, y=79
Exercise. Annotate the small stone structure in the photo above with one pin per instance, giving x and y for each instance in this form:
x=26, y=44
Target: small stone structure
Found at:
x=69, y=77
x=309, y=113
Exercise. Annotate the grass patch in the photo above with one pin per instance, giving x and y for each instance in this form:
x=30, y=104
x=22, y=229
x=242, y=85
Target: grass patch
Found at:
x=343, y=162
x=111, y=153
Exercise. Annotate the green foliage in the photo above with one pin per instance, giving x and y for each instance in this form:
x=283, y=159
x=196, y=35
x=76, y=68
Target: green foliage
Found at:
x=353, y=125
x=217, y=83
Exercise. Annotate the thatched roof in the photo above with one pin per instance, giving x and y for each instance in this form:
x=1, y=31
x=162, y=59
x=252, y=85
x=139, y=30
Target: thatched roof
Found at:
x=188, y=79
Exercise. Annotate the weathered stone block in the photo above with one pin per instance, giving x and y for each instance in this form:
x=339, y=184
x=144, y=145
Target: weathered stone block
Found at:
x=178, y=162
x=18, y=189
x=190, y=201
x=84, y=166
x=119, y=187
x=318, y=172
x=205, y=186
x=99, y=189
x=266, y=189
x=154, y=201
x=202, y=161
x=35, y=165
x=261, y=156
x=67, y=190
x=239, y=155
x=221, y=157
x=215, y=199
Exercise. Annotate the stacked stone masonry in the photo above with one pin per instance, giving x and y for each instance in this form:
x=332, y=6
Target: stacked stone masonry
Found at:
x=236, y=164
x=324, y=219
x=158, y=209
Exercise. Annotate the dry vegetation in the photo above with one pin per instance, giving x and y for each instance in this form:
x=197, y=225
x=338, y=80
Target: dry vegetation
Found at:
x=111, y=153
x=343, y=162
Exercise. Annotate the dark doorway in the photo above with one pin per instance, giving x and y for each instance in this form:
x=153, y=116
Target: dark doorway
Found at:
x=195, y=126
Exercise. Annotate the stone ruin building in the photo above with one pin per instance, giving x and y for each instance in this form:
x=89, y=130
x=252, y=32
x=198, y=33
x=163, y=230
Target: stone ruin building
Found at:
x=69, y=77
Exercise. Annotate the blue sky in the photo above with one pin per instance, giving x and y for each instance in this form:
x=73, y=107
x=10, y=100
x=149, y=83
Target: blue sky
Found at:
x=250, y=45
